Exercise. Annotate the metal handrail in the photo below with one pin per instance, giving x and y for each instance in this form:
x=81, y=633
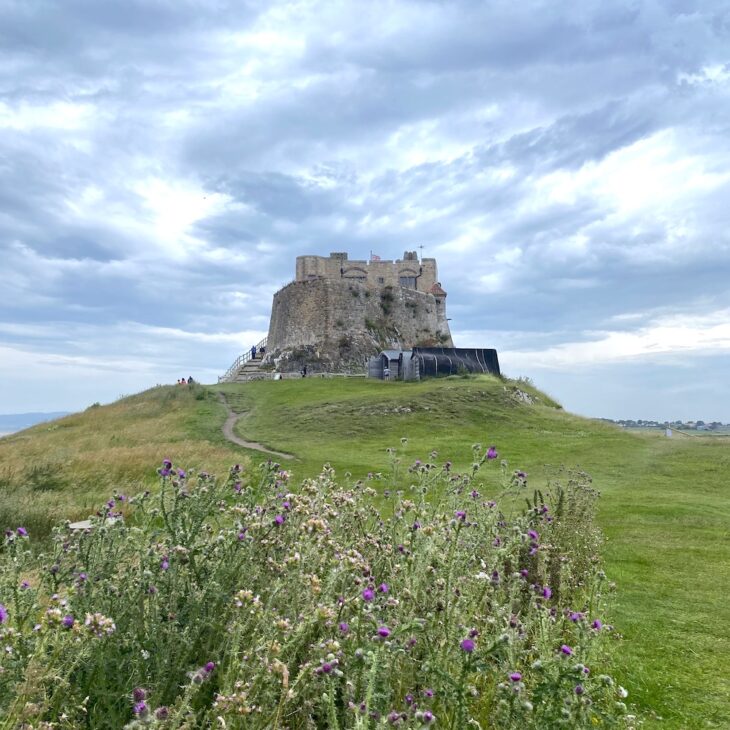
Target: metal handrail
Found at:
x=239, y=361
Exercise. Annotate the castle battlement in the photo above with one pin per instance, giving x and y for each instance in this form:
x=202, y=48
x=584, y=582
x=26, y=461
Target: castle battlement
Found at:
x=408, y=272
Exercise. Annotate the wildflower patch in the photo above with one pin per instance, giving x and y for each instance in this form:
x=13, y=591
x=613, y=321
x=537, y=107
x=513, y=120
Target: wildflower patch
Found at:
x=249, y=602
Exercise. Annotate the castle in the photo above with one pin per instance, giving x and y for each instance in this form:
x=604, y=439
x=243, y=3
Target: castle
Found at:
x=338, y=312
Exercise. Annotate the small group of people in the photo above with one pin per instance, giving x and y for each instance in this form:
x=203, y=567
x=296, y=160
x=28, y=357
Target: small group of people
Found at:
x=189, y=381
x=261, y=351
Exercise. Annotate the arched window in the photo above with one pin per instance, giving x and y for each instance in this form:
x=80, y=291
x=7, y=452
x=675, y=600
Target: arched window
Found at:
x=355, y=273
x=407, y=278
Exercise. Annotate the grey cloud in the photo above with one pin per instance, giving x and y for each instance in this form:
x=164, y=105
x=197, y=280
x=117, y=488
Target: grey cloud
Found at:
x=311, y=165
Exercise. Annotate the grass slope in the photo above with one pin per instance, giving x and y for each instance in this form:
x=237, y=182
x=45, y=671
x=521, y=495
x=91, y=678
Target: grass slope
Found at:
x=68, y=468
x=665, y=509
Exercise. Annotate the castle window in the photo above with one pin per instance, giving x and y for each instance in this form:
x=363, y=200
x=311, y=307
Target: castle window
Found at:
x=409, y=282
x=381, y=280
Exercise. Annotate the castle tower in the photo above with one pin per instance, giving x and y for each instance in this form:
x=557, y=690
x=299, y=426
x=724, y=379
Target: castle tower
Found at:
x=339, y=312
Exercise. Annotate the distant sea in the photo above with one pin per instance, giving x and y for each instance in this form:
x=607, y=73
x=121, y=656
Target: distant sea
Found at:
x=12, y=422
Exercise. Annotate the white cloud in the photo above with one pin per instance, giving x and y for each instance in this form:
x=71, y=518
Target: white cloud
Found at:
x=59, y=115
x=660, y=339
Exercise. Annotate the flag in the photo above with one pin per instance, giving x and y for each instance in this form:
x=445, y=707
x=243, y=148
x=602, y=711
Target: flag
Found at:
x=374, y=257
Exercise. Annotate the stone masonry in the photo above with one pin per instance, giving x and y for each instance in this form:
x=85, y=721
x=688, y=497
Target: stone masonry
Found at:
x=338, y=313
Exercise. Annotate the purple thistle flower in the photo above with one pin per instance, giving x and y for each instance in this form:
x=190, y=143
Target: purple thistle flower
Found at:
x=165, y=564
x=460, y=515
x=597, y=624
x=140, y=709
x=279, y=520
x=515, y=676
x=242, y=535
x=496, y=542
x=209, y=667
x=524, y=573
x=368, y=594
x=3, y=614
x=344, y=627
x=428, y=693
x=68, y=622
x=428, y=717
x=22, y=532
x=383, y=632
x=521, y=475
x=575, y=616
x=139, y=694
x=532, y=534
x=416, y=526
x=566, y=650
x=286, y=505
x=326, y=667
x=474, y=494
x=162, y=713
x=468, y=646
x=167, y=464
x=409, y=700
x=547, y=592
x=579, y=689
x=237, y=487
x=383, y=588
x=163, y=472
x=24, y=586
x=181, y=473
x=492, y=452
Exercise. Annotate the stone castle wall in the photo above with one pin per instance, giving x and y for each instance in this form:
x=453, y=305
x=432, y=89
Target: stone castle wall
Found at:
x=408, y=271
x=334, y=323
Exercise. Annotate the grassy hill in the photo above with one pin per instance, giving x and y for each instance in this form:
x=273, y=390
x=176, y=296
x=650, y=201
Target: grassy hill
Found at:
x=67, y=468
x=665, y=507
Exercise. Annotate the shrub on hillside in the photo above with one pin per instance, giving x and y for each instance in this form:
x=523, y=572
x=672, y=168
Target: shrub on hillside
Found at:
x=247, y=603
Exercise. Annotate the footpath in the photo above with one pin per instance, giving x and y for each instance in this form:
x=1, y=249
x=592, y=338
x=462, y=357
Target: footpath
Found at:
x=229, y=425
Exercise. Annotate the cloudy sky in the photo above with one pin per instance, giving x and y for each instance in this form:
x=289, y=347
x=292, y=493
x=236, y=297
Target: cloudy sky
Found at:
x=163, y=162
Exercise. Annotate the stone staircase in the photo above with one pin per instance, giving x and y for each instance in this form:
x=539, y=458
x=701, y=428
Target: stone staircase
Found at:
x=246, y=368
x=250, y=370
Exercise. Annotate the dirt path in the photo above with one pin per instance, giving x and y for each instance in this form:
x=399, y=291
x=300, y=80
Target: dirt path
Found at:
x=228, y=433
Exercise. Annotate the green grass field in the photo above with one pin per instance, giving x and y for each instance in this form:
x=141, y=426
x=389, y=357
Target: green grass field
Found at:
x=665, y=507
